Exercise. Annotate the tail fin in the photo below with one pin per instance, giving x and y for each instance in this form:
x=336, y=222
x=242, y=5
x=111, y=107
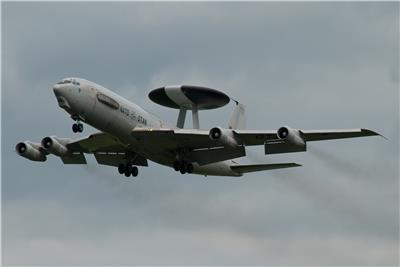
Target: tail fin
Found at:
x=238, y=117
x=262, y=167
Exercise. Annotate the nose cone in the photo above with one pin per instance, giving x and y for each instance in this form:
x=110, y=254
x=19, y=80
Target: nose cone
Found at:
x=61, y=94
x=57, y=88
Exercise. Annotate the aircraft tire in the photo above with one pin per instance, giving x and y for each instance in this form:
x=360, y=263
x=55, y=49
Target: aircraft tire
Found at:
x=121, y=168
x=128, y=171
x=135, y=171
x=80, y=127
x=182, y=167
x=177, y=165
x=189, y=168
x=75, y=128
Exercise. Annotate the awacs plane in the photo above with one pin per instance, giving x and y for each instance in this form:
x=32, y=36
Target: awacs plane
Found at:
x=129, y=136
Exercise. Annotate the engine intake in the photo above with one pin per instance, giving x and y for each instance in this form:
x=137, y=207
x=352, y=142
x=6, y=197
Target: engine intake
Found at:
x=56, y=146
x=223, y=136
x=291, y=136
x=30, y=151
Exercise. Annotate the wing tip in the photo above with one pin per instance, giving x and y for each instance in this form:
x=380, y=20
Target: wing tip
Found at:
x=372, y=133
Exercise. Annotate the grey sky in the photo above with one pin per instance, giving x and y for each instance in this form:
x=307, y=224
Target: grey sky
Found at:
x=306, y=65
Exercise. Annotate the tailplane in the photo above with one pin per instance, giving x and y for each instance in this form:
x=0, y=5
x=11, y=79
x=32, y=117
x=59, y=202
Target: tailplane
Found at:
x=262, y=167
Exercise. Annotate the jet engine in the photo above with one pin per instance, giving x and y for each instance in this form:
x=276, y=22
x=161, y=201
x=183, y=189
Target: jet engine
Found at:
x=291, y=136
x=32, y=151
x=56, y=146
x=224, y=136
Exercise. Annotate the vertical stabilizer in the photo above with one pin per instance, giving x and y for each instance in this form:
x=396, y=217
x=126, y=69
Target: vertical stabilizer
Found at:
x=238, y=117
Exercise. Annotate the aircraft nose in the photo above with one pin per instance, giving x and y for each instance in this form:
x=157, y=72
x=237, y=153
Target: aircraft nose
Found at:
x=61, y=95
x=57, y=88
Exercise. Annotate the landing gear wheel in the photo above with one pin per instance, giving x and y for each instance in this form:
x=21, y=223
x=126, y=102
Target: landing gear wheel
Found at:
x=121, y=168
x=189, y=168
x=75, y=128
x=182, y=168
x=80, y=127
x=177, y=165
x=135, y=171
x=128, y=171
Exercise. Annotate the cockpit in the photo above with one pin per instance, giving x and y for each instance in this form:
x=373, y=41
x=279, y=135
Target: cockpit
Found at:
x=67, y=81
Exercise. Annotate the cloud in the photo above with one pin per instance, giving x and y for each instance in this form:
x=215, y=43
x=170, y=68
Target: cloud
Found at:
x=306, y=65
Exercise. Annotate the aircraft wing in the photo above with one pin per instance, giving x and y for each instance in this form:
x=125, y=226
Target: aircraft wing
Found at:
x=98, y=142
x=193, y=139
x=106, y=149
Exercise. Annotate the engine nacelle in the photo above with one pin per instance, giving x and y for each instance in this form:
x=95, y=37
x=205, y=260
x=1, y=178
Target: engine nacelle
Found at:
x=224, y=136
x=31, y=151
x=56, y=146
x=292, y=136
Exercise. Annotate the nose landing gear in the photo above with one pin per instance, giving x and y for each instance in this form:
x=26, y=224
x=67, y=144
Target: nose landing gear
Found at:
x=128, y=170
x=183, y=167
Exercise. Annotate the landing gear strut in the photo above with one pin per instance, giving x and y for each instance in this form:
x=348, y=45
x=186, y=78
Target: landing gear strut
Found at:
x=183, y=167
x=128, y=170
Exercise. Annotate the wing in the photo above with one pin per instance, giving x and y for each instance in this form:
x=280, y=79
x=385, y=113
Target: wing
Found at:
x=106, y=149
x=197, y=144
x=196, y=140
x=98, y=142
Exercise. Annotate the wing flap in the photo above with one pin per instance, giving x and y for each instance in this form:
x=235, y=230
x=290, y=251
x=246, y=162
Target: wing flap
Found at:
x=262, y=167
x=206, y=156
x=279, y=146
x=75, y=158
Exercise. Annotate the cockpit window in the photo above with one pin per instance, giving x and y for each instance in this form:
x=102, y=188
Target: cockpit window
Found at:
x=64, y=82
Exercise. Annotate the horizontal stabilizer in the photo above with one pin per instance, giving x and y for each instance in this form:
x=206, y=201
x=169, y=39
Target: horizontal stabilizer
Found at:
x=262, y=167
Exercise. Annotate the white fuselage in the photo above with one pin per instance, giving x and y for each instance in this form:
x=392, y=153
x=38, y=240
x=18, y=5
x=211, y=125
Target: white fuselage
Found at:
x=115, y=115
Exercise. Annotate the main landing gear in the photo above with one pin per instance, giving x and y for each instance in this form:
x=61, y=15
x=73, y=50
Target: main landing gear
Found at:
x=183, y=167
x=77, y=127
x=128, y=170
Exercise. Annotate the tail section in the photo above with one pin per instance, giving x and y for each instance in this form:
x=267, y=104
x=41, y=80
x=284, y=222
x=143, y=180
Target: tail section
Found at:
x=238, y=117
x=262, y=167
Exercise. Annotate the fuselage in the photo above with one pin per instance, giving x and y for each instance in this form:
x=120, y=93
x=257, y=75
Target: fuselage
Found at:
x=111, y=113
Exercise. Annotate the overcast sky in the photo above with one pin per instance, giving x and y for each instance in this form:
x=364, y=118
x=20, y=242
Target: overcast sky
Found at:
x=306, y=65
